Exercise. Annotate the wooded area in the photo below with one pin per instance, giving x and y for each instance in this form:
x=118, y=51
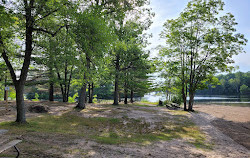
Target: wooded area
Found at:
x=231, y=84
x=79, y=47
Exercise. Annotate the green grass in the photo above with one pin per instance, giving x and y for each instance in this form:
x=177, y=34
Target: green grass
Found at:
x=147, y=102
x=111, y=130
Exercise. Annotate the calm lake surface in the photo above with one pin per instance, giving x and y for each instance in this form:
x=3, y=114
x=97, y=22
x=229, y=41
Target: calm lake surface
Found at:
x=218, y=100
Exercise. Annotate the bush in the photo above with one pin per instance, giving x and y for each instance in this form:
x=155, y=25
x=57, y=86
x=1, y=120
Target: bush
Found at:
x=177, y=99
x=36, y=97
x=72, y=99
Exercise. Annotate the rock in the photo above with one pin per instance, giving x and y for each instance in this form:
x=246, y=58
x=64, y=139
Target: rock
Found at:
x=38, y=108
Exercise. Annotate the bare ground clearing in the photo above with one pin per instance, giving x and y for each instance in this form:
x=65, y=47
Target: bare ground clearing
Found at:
x=55, y=144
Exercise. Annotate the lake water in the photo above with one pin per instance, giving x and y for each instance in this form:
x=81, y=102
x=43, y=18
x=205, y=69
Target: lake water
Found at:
x=219, y=100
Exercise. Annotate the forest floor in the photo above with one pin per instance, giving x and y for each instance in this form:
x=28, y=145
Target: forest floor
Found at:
x=134, y=130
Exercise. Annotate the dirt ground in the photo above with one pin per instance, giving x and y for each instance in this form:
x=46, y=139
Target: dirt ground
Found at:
x=215, y=124
x=232, y=121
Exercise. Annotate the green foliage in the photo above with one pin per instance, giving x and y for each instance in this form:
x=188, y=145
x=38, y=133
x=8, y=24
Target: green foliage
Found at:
x=244, y=89
x=36, y=97
x=72, y=99
x=229, y=84
x=95, y=99
x=177, y=99
x=12, y=93
x=199, y=43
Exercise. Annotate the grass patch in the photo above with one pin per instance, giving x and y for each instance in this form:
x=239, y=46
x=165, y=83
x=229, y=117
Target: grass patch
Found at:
x=147, y=102
x=111, y=130
x=178, y=112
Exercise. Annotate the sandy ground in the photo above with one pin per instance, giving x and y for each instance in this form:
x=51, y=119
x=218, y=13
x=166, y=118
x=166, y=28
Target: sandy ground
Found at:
x=232, y=121
x=211, y=123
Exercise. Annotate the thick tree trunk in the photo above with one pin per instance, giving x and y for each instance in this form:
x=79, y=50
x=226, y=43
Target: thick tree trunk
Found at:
x=82, y=95
x=19, y=85
x=131, y=96
x=51, y=91
x=20, y=106
x=191, y=100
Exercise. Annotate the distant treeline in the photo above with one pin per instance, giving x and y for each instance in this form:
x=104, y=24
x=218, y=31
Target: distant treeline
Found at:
x=231, y=84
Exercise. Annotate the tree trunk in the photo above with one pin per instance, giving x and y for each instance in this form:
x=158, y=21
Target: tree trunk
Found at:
x=51, y=91
x=20, y=106
x=126, y=96
x=184, y=97
x=19, y=85
x=5, y=91
x=131, y=96
x=116, y=92
x=64, y=97
x=82, y=95
x=91, y=92
x=191, y=100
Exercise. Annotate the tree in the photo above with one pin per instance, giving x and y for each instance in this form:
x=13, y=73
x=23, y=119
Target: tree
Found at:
x=93, y=37
x=30, y=17
x=128, y=30
x=244, y=89
x=206, y=39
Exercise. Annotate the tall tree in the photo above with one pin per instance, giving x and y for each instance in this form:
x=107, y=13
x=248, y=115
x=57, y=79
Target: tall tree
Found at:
x=210, y=42
x=31, y=17
x=92, y=37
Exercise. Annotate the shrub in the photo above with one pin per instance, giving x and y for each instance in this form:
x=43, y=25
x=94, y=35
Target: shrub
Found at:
x=72, y=99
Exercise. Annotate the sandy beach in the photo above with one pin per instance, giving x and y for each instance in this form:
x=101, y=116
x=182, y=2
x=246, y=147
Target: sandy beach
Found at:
x=231, y=120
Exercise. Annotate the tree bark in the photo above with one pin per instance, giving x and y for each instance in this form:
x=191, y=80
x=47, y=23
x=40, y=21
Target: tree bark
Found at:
x=51, y=91
x=126, y=95
x=20, y=103
x=131, y=96
x=5, y=91
x=116, y=92
x=91, y=92
x=81, y=100
x=191, y=100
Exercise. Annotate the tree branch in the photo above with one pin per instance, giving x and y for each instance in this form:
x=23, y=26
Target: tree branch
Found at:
x=49, y=32
x=11, y=69
x=48, y=14
x=7, y=61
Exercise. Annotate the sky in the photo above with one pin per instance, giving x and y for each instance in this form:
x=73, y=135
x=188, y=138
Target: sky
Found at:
x=170, y=9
